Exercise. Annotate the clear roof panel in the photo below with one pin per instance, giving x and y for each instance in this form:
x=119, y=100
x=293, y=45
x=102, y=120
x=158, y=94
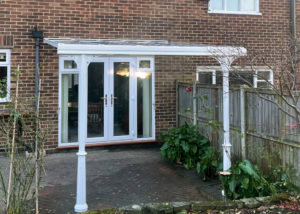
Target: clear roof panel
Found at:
x=124, y=42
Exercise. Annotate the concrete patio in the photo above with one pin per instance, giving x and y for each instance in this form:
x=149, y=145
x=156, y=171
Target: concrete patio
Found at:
x=119, y=176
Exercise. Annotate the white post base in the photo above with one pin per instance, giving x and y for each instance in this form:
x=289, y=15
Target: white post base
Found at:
x=81, y=205
x=226, y=157
x=80, y=208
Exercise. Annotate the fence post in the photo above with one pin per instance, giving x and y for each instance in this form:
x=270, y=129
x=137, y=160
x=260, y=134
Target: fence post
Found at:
x=195, y=103
x=243, y=125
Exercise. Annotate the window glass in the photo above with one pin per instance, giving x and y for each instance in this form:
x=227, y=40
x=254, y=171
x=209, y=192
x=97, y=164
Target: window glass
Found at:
x=3, y=82
x=121, y=100
x=96, y=100
x=247, y=5
x=205, y=77
x=241, y=78
x=144, y=64
x=232, y=5
x=263, y=85
x=2, y=57
x=144, y=105
x=263, y=75
x=70, y=64
x=69, y=108
x=216, y=5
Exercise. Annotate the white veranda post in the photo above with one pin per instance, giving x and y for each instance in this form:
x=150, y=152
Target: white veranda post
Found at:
x=81, y=205
x=225, y=65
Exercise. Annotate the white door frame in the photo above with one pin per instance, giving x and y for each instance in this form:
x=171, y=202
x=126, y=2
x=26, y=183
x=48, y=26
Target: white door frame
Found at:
x=83, y=62
x=105, y=60
x=132, y=98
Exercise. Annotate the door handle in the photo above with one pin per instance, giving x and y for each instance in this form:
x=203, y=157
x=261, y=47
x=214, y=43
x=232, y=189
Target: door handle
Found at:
x=112, y=98
x=105, y=99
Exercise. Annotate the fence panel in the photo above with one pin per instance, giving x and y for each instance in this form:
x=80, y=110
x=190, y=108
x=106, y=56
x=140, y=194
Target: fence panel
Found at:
x=271, y=132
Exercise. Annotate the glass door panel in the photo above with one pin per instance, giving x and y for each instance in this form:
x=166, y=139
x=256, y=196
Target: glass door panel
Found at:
x=120, y=98
x=69, y=108
x=144, y=104
x=96, y=100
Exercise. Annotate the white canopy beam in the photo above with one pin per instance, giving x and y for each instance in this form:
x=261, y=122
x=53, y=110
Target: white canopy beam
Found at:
x=139, y=47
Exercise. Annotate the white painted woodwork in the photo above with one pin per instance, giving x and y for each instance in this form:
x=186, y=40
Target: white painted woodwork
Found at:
x=81, y=205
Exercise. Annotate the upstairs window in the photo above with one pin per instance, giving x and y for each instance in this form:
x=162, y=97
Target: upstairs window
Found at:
x=234, y=6
x=4, y=75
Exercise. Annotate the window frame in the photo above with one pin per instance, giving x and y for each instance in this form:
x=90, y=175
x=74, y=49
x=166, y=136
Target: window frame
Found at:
x=151, y=69
x=7, y=65
x=256, y=79
x=225, y=11
x=62, y=71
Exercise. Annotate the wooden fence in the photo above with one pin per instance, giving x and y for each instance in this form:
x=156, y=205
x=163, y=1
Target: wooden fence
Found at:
x=259, y=129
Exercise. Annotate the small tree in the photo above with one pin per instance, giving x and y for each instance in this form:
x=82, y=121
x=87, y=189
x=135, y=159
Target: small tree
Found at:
x=21, y=132
x=286, y=77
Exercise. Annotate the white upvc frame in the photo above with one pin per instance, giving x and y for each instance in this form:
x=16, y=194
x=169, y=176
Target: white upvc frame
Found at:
x=225, y=11
x=256, y=79
x=82, y=67
x=204, y=70
x=152, y=71
x=105, y=60
x=63, y=71
x=7, y=65
x=132, y=99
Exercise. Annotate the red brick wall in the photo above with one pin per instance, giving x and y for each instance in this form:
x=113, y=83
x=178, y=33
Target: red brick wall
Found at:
x=178, y=20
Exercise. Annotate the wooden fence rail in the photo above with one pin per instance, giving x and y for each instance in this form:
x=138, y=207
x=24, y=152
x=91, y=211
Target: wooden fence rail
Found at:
x=260, y=128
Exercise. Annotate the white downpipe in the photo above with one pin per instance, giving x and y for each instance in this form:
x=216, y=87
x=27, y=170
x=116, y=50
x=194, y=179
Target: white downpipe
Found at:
x=81, y=205
x=225, y=65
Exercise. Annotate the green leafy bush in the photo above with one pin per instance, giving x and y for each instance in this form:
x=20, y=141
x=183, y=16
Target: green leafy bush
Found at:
x=283, y=179
x=183, y=145
x=246, y=181
x=209, y=163
x=3, y=86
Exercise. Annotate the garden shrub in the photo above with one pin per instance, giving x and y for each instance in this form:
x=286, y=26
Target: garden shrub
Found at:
x=183, y=145
x=186, y=146
x=209, y=163
x=283, y=179
x=246, y=181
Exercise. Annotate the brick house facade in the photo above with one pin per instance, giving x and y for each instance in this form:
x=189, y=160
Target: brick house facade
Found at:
x=181, y=21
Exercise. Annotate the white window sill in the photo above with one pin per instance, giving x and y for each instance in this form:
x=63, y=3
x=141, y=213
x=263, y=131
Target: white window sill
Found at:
x=235, y=12
x=5, y=100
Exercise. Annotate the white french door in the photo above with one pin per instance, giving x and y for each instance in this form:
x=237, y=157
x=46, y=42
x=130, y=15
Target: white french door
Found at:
x=97, y=99
x=110, y=99
x=122, y=99
x=113, y=96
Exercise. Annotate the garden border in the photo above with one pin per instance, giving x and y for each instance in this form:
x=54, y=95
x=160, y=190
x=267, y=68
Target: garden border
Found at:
x=175, y=207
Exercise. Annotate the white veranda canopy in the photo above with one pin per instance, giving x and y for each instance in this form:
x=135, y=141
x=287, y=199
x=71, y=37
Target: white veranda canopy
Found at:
x=225, y=55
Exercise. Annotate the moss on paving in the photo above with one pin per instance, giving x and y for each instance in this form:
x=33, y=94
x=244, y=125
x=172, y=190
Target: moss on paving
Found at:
x=106, y=211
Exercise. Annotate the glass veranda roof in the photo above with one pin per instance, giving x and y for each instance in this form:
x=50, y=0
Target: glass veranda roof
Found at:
x=140, y=47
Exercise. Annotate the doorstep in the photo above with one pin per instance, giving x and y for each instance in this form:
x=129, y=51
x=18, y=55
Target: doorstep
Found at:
x=101, y=144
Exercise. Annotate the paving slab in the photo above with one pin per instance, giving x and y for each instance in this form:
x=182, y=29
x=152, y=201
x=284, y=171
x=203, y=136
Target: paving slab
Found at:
x=120, y=176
